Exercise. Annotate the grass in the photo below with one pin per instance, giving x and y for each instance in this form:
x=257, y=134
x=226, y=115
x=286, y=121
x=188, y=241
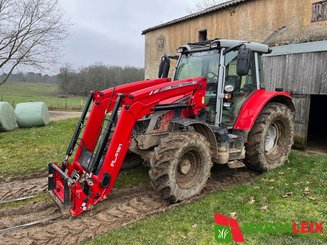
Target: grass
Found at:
x=194, y=223
x=18, y=92
x=26, y=150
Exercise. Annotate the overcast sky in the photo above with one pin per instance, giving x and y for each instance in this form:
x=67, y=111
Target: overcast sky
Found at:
x=109, y=31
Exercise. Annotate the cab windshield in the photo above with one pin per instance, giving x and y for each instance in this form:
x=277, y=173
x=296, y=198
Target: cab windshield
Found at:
x=199, y=64
x=202, y=64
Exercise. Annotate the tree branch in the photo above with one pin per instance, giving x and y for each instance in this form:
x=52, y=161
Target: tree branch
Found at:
x=32, y=35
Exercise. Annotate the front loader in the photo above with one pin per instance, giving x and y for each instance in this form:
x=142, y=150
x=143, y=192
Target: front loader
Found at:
x=214, y=111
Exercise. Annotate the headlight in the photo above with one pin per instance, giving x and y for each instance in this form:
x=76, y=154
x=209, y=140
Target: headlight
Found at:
x=229, y=88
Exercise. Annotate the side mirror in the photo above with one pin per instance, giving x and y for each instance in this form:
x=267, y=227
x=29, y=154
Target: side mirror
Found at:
x=243, y=61
x=164, y=67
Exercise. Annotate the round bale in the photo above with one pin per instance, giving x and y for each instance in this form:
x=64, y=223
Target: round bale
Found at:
x=32, y=114
x=7, y=117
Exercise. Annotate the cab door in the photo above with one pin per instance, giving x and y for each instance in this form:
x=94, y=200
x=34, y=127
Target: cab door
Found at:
x=243, y=86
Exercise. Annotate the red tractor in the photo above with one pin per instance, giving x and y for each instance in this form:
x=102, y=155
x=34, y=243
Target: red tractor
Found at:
x=215, y=110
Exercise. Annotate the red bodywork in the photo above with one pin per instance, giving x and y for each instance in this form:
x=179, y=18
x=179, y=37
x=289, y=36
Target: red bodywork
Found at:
x=252, y=107
x=140, y=99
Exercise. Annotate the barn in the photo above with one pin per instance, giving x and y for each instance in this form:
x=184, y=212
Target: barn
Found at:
x=295, y=29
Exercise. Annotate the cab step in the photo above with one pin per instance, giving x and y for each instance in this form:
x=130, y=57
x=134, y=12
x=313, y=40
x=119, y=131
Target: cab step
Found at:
x=235, y=164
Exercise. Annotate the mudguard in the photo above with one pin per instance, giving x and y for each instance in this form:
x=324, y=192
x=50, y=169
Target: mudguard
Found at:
x=200, y=127
x=253, y=106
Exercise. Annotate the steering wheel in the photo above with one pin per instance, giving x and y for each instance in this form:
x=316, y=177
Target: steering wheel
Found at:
x=212, y=81
x=213, y=76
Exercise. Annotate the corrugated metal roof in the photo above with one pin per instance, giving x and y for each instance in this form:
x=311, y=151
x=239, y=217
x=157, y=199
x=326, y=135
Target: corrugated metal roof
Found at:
x=194, y=15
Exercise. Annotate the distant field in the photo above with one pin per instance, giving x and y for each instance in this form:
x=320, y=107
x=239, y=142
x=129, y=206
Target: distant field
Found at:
x=17, y=92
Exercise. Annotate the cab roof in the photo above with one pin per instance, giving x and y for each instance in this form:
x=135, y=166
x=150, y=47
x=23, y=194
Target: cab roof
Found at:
x=225, y=43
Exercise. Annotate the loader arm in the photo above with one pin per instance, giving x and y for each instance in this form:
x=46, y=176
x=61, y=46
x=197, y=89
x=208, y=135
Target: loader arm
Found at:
x=83, y=183
x=105, y=101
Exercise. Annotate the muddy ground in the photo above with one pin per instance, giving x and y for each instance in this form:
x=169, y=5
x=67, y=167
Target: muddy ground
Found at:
x=122, y=207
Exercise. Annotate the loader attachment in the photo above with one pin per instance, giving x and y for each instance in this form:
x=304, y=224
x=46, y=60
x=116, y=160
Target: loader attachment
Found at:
x=65, y=191
x=88, y=179
x=69, y=185
x=59, y=186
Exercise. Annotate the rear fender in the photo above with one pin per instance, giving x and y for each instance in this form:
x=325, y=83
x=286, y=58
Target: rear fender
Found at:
x=254, y=105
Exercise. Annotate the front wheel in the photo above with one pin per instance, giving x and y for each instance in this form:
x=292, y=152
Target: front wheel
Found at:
x=180, y=166
x=271, y=138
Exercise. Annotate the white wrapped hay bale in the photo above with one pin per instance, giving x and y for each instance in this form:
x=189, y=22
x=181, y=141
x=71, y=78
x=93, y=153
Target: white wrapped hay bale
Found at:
x=7, y=117
x=32, y=114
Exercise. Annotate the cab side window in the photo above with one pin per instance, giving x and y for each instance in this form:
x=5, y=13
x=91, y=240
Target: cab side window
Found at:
x=244, y=83
x=243, y=87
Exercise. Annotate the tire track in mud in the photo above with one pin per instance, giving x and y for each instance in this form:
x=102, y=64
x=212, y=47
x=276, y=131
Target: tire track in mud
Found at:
x=22, y=188
x=122, y=207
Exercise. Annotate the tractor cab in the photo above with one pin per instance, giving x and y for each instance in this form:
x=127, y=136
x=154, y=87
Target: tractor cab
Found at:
x=233, y=70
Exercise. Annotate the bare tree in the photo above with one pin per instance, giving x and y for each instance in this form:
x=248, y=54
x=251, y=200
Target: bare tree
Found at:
x=65, y=74
x=204, y=4
x=31, y=33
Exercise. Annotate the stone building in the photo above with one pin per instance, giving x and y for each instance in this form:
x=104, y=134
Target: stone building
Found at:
x=296, y=28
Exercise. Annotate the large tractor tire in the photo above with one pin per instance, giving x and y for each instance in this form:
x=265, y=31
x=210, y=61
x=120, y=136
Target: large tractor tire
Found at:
x=270, y=139
x=180, y=166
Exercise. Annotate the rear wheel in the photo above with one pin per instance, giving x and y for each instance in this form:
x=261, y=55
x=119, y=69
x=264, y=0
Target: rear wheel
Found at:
x=180, y=166
x=271, y=138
